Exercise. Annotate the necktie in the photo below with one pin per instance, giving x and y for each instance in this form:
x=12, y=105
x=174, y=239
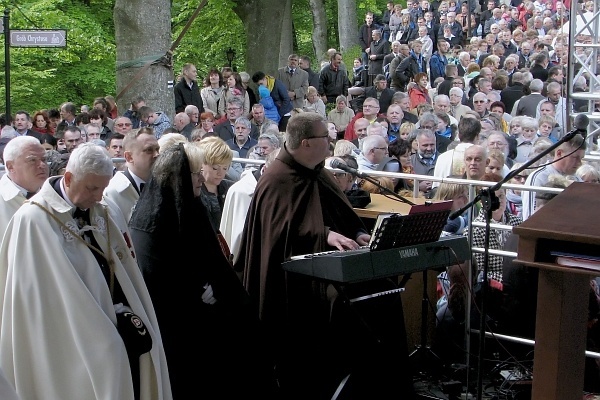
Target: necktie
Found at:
x=29, y=195
x=82, y=217
x=142, y=186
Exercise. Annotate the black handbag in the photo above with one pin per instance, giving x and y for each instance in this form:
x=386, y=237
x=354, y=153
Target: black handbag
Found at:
x=134, y=333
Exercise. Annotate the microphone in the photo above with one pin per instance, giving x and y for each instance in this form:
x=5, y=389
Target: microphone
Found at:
x=337, y=164
x=580, y=125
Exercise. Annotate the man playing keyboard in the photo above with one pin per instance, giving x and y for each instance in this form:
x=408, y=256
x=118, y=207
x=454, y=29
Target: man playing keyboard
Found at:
x=298, y=209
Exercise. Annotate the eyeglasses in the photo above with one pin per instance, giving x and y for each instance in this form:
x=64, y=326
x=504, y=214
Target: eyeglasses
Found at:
x=479, y=101
x=369, y=106
x=319, y=137
x=233, y=108
x=124, y=124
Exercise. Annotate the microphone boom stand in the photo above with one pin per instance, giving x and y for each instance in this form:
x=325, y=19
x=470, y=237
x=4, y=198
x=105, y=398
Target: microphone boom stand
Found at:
x=385, y=189
x=489, y=201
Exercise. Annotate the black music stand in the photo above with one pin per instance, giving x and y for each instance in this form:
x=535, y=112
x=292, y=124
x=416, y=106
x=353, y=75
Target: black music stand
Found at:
x=423, y=224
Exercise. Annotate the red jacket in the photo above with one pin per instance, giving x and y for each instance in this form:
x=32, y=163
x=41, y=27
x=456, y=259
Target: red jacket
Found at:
x=417, y=96
x=349, y=132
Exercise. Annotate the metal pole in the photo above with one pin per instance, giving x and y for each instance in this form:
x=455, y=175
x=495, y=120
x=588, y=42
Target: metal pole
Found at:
x=5, y=20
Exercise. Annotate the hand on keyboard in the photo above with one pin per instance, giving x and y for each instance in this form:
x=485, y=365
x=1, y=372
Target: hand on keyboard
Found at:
x=341, y=242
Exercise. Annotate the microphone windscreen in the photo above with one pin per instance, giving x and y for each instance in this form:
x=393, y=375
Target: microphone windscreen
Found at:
x=581, y=122
x=335, y=163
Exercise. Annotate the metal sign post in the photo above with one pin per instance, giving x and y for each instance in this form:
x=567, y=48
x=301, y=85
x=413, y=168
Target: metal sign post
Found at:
x=5, y=22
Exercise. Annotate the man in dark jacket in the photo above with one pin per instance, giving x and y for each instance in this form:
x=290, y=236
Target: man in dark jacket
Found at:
x=510, y=94
x=365, y=33
x=186, y=91
x=333, y=80
x=380, y=91
x=313, y=77
x=411, y=65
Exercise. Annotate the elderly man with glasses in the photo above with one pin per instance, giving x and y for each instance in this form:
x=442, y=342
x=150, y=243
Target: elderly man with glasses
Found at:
x=226, y=129
x=370, y=111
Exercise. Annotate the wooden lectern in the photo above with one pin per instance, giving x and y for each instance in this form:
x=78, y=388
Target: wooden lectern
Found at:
x=568, y=223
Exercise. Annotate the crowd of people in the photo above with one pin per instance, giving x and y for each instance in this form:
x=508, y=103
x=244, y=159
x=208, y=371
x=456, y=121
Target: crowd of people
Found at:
x=104, y=293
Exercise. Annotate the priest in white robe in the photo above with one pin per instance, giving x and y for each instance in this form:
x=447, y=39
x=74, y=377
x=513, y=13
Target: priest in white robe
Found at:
x=59, y=306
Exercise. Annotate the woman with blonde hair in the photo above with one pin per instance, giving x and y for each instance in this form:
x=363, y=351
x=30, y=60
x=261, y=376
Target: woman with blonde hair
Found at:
x=492, y=62
x=216, y=160
x=407, y=31
x=370, y=187
x=459, y=195
x=345, y=147
x=313, y=102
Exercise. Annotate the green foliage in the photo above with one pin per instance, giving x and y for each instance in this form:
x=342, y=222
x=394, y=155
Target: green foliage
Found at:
x=349, y=56
x=46, y=77
x=85, y=69
x=215, y=29
x=302, y=20
x=377, y=7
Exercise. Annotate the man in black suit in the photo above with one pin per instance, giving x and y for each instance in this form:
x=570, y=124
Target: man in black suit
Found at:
x=22, y=123
x=379, y=48
x=464, y=59
x=510, y=94
x=225, y=130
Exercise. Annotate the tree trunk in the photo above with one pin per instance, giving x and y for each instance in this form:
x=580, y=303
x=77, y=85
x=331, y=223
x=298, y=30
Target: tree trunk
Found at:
x=286, y=47
x=347, y=24
x=262, y=21
x=319, y=34
x=139, y=41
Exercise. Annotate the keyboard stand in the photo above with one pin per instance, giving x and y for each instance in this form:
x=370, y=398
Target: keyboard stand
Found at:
x=383, y=352
x=423, y=358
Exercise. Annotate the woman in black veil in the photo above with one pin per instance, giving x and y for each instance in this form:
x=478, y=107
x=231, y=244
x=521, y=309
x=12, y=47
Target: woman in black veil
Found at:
x=200, y=303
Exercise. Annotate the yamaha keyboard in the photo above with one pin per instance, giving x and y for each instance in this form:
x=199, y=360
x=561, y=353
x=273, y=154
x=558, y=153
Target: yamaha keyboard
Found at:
x=364, y=265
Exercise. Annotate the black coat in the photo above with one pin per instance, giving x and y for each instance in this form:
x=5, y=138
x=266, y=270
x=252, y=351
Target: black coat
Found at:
x=385, y=99
x=167, y=228
x=408, y=68
x=445, y=86
x=510, y=94
x=378, y=49
x=539, y=72
x=184, y=96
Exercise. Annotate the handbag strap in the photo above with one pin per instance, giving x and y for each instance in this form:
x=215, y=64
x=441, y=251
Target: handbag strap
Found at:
x=109, y=259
